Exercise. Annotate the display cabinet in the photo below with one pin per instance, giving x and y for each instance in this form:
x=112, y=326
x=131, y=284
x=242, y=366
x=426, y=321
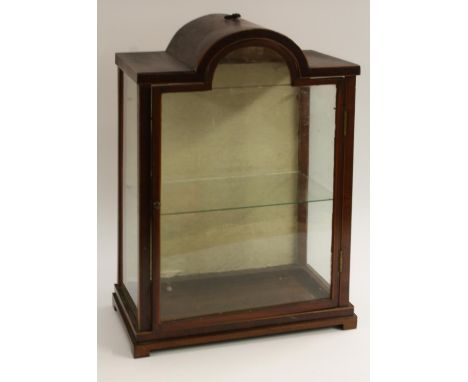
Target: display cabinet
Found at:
x=235, y=182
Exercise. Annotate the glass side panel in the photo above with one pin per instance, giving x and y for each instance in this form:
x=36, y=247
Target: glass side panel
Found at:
x=247, y=190
x=130, y=188
x=321, y=161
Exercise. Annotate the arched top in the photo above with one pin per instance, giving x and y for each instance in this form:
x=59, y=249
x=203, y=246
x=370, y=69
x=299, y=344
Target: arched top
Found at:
x=195, y=50
x=201, y=43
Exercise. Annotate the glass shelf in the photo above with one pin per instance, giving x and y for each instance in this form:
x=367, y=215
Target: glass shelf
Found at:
x=226, y=193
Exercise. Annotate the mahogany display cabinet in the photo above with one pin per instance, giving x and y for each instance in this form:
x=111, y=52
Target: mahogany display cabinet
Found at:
x=235, y=182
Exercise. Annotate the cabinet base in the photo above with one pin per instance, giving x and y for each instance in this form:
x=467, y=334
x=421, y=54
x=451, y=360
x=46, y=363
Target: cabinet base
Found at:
x=143, y=349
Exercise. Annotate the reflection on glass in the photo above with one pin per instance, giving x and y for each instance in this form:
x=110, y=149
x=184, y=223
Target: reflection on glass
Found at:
x=246, y=200
x=130, y=188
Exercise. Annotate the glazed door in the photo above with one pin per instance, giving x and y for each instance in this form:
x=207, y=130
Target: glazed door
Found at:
x=247, y=222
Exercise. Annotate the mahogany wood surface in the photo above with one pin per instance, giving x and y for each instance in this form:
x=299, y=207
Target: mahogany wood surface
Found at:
x=321, y=64
x=120, y=177
x=338, y=190
x=144, y=207
x=350, y=91
x=156, y=210
x=143, y=348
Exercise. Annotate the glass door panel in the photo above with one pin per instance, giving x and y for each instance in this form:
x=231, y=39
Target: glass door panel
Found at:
x=130, y=246
x=246, y=190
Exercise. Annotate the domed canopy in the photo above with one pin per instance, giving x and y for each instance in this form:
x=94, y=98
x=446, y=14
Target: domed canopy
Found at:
x=196, y=48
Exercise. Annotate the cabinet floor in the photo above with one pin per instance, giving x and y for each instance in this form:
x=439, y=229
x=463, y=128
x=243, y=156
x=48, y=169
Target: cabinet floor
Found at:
x=199, y=295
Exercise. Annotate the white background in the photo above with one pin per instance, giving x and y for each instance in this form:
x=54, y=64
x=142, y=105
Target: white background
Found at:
x=418, y=205
x=125, y=26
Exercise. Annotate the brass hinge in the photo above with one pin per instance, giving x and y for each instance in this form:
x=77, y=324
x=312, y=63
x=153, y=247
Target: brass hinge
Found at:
x=340, y=261
x=345, y=122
